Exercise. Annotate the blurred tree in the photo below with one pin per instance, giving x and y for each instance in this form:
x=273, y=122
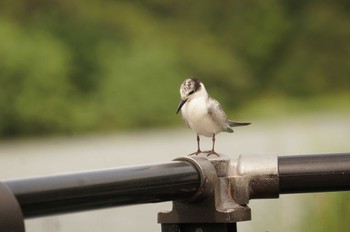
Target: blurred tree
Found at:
x=33, y=85
x=102, y=65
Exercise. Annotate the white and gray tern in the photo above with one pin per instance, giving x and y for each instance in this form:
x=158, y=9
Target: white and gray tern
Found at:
x=202, y=113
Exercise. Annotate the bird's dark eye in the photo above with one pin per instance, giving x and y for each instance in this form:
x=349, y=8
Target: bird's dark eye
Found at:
x=190, y=93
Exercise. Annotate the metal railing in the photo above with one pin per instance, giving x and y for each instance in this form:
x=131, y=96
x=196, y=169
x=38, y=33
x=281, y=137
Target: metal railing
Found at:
x=209, y=192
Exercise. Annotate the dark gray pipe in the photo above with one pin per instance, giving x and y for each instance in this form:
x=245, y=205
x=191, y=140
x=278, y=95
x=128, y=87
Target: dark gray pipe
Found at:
x=105, y=188
x=176, y=180
x=314, y=173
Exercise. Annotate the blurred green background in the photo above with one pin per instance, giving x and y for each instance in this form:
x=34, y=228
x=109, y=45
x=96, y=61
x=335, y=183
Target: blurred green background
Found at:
x=85, y=66
x=74, y=67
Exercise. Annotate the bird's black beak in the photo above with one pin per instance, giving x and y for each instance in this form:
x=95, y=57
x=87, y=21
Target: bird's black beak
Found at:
x=182, y=102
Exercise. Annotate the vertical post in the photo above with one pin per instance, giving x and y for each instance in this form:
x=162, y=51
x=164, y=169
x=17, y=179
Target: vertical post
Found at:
x=200, y=227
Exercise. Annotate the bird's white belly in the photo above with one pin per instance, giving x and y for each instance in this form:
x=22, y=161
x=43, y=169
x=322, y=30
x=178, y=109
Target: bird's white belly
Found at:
x=197, y=116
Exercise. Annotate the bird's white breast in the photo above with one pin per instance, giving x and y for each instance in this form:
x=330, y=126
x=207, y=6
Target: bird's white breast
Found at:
x=195, y=112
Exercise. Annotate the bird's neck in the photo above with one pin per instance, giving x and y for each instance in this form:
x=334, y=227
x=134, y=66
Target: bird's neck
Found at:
x=202, y=92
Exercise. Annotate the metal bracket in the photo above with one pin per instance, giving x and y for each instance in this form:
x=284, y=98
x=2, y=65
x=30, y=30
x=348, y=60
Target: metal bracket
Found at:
x=225, y=190
x=213, y=202
x=11, y=217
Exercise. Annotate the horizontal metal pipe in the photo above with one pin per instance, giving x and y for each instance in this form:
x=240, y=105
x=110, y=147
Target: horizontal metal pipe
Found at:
x=104, y=188
x=176, y=180
x=314, y=173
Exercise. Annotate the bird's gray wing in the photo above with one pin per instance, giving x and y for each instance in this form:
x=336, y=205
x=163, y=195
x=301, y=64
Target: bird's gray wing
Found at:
x=218, y=114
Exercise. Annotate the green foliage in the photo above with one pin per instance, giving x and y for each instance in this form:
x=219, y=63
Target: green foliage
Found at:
x=33, y=85
x=330, y=212
x=77, y=66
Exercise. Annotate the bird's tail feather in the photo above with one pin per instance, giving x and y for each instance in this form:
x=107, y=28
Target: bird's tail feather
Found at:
x=234, y=124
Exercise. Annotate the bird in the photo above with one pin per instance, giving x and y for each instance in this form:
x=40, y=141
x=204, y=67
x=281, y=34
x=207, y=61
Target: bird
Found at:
x=202, y=113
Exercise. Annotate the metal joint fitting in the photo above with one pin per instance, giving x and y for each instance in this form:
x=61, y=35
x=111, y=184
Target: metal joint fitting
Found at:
x=213, y=202
x=254, y=177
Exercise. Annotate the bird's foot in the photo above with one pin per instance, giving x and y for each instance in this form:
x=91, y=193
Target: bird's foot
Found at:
x=195, y=153
x=212, y=152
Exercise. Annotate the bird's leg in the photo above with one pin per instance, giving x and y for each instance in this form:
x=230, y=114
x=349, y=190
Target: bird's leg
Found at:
x=198, y=146
x=213, y=139
x=212, y=149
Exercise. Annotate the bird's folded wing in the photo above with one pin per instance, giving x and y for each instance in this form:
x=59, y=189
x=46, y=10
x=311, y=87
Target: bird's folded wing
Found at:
x=217, y=113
